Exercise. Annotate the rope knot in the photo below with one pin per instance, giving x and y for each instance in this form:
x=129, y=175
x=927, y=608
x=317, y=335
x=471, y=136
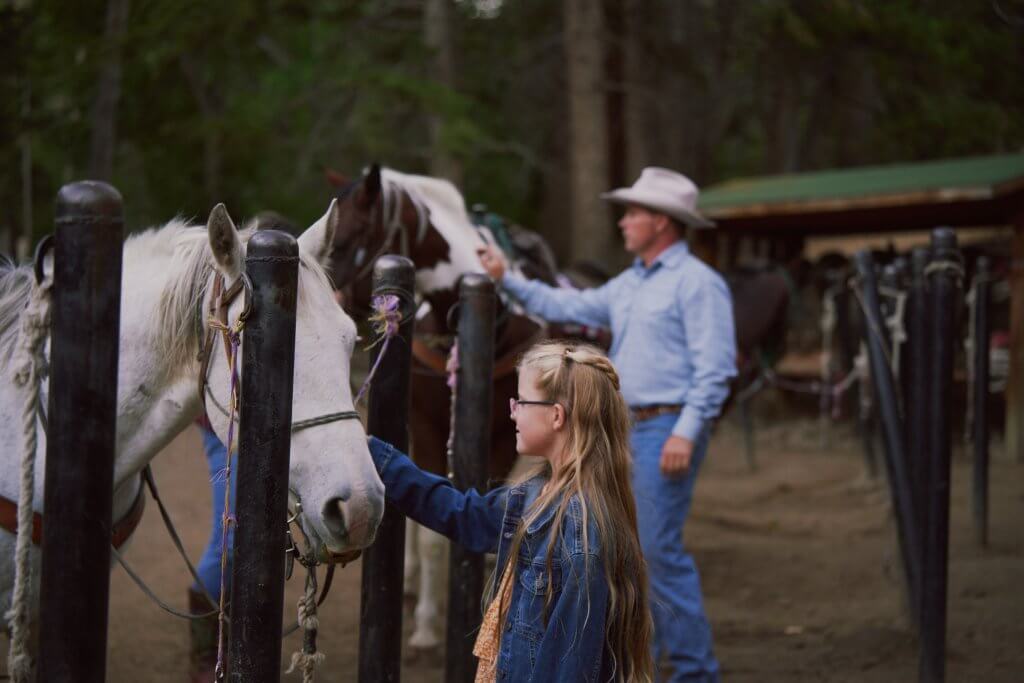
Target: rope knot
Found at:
x=386, y=317
x=232, y=332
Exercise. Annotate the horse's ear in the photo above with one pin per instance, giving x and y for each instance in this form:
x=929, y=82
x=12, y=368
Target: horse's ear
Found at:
x=224, y=242
x=318, y=239
x=369, y=189
x=336, y=178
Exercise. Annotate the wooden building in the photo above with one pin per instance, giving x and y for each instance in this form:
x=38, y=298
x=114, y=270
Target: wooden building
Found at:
x=773, y=216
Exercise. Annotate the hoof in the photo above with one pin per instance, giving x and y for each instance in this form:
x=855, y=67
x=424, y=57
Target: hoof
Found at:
x=424, y=639
x=424, y=657
x=206, y=676
x=202, y=640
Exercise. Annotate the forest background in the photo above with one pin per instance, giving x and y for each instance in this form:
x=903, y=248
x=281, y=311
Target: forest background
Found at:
x=530, y=106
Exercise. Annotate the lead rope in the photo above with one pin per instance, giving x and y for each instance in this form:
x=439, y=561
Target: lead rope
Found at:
x=308, y=659
x=452, y=368
x=35, y=326
x=233, y=335
x=386, y=321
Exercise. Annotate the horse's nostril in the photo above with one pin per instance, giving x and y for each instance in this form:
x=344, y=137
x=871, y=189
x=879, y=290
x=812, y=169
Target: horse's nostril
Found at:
x=334, y=518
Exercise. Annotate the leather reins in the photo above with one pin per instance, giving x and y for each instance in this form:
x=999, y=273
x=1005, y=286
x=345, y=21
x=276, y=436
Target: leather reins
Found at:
x=220, y=302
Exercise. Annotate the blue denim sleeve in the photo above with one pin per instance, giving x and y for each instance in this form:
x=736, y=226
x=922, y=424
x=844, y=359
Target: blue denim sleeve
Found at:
x=573, y=643
x=466, y=517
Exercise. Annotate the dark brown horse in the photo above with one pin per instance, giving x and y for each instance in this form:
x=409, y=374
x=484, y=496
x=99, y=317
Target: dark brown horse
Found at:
x=425, y=220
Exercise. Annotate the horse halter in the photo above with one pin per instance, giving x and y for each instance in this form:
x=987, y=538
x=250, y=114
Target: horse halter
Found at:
x=386, y=215
x=220, y=301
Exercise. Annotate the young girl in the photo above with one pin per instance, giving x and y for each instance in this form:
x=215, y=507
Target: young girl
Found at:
x=568, y=601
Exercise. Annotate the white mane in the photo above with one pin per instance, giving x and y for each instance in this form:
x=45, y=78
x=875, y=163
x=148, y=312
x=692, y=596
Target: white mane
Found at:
x=183, y=251
x=15, y=286
x=442, y=202
x=177, y=257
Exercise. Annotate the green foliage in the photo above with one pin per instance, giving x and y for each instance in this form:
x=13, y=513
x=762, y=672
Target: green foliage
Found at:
x=248, y=103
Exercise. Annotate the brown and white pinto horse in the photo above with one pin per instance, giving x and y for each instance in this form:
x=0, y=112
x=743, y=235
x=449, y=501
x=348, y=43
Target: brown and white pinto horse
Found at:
x=425, y=219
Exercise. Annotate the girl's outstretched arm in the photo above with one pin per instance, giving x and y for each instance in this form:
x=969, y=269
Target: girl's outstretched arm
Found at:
x=468, y=518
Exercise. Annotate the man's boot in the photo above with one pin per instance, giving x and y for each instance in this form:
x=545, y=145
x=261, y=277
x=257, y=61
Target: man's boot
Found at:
x=202, y=639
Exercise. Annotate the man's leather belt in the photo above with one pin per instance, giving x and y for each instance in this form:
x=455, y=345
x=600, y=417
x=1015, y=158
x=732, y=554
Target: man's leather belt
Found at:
x=641, y=413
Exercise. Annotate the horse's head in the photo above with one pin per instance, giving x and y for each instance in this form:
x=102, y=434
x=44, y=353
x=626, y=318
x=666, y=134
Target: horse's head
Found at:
x=359, y=238
x=419, y=217
x=331, y=472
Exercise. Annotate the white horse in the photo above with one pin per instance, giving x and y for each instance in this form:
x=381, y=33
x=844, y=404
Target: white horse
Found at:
x=166, y=287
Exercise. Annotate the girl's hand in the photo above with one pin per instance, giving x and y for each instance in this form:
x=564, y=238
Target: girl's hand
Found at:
x=492, y=261
x=675, y=456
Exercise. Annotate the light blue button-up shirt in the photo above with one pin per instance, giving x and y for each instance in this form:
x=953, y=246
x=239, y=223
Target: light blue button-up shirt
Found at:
x=673, y=339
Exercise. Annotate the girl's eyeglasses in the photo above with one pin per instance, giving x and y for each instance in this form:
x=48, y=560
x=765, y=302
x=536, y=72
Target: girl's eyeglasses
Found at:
x=513, y=404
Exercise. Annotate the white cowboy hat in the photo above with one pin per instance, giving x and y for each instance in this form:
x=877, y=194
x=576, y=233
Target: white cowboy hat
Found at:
x=664, y=191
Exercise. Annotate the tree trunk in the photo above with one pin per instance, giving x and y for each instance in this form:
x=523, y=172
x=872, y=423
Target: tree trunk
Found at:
x=210, y=108
x=638, y=90
x=108, y=92
x=615, y=99
x=21, y=241
x=437, y=35
x=591, y=226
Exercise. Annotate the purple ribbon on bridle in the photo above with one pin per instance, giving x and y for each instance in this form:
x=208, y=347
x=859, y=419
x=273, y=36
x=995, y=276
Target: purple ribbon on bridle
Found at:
x=386, y=319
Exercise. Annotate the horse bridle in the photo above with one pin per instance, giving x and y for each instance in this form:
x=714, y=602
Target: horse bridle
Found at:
x=220, y=302
x=386, y=217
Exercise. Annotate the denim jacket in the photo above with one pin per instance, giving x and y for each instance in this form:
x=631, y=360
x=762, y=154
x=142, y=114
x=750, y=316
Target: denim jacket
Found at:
x=570, y=644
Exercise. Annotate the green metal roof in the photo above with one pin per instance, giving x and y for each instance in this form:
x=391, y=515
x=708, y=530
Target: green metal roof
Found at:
x=951, y=180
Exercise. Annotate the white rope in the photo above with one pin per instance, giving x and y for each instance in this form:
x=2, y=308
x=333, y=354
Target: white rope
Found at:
x=894, y=323
x=35, y=327
x=828, y=326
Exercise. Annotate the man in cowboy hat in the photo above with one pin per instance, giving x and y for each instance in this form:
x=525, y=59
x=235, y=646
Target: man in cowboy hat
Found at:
x=673, y=343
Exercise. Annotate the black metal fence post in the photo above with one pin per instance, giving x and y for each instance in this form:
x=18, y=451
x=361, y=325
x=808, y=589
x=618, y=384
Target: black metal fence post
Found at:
x=474, y=395
x=892, y=427
x=944, y=271
x=919, y=386
x=264, y=450
x=981, y=375
x=380, y=623
x=86, y=314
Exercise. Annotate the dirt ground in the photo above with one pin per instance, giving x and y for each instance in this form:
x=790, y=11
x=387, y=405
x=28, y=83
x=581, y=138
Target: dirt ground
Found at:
x=798, y=560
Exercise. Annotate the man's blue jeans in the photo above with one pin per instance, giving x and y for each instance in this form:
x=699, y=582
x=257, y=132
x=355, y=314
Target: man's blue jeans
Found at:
x=208, y=567
x=681, y=631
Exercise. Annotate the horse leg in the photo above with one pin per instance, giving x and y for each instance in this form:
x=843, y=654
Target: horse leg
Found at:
x=427, y=633
x=412, y=559
x=747, y=416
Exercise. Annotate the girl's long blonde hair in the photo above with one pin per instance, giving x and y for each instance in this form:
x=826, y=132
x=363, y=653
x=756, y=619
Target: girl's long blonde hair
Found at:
x=595, y=472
